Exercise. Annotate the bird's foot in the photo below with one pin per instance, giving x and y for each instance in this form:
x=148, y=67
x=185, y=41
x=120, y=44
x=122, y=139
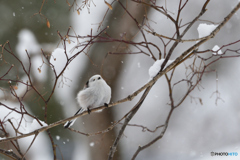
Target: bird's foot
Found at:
x=105, y=104
x=89, y=111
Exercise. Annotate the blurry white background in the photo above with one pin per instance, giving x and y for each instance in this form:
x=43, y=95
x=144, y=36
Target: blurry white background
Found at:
x=195, y=129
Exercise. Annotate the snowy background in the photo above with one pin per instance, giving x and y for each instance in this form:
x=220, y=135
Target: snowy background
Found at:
x=195, y=129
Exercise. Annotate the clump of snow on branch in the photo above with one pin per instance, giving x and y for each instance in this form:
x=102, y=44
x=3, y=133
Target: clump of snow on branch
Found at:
x=35, y=125
x=205, y=29
x=155, y=68
x=217, y=50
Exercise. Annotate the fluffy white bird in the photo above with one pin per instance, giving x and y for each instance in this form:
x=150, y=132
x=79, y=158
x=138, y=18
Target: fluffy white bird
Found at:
x=95, y=93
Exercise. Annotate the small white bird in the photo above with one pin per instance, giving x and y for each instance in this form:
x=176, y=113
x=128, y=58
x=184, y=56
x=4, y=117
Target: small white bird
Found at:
x=95, y=93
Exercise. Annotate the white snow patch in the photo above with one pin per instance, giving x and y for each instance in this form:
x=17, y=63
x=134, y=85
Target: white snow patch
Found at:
x=139, y=65
x=217, y=50
x=35, y=125
x=92, y=144
x=205, y=29
x=28, y=42
x=27, y=125
x=57, y=137
x=58, y=59
x=155, y=68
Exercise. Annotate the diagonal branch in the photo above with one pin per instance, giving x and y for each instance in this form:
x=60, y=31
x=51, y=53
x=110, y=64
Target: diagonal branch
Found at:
x=128, y=118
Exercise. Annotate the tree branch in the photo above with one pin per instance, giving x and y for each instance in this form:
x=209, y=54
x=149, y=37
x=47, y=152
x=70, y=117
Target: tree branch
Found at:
x=127, y=119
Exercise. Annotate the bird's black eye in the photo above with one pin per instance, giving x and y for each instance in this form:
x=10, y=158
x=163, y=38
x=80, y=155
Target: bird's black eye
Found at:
x=99, y=78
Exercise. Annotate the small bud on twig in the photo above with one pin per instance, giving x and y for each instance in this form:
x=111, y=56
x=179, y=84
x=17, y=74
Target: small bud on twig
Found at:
x=48, y=23
x=109, y=5
x=39, y=70
x=15, y=87
x=68, y=39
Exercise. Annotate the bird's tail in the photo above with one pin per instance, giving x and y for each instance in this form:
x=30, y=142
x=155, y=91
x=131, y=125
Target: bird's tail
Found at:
x=70, y=123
